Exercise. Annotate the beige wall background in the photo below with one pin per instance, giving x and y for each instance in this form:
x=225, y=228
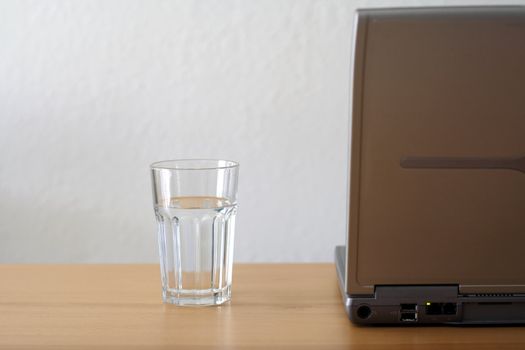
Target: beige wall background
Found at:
x=92, y=92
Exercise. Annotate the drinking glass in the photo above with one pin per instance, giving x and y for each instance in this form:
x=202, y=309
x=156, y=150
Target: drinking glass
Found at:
x=195, y=202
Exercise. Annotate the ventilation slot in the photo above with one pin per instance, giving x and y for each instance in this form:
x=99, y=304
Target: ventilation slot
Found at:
x=493, y=295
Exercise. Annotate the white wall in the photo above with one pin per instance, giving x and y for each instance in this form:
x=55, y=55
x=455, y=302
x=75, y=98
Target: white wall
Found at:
x=92, y=92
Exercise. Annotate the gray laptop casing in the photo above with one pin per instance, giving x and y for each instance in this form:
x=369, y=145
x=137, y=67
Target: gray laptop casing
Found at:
x=436, y=229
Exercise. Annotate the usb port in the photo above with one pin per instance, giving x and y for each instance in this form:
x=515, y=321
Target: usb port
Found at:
x=408, y=317
x=408, y=307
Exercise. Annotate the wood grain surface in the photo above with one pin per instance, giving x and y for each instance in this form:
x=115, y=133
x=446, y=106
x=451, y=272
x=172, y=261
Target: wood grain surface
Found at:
x=276, y=306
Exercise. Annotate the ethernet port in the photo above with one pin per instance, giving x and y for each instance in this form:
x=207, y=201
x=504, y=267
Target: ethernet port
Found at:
x=434, y=308
x=450, y=309
x=408, y=317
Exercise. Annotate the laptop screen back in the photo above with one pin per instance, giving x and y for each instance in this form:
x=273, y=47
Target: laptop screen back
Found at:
x=446, y=93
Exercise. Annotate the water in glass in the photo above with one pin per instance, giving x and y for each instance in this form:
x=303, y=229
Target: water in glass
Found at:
x=196, y=248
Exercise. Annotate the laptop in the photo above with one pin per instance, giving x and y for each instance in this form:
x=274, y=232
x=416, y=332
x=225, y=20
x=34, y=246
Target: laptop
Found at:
x=436, y=227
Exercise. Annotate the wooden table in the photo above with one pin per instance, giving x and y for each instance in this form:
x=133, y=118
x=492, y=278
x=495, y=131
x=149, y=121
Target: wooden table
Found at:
x=273, y=307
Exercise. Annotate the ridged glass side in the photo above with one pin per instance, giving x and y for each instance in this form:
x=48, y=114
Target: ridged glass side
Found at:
x=196, y=250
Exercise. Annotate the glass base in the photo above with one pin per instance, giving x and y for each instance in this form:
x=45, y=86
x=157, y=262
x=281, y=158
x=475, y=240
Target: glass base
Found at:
x=196, y=297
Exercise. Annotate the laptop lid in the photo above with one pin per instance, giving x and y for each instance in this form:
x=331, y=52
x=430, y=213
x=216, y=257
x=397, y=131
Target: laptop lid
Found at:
x=437, y=186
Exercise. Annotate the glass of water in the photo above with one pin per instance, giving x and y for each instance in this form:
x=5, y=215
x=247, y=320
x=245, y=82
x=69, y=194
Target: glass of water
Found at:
x=195, y=203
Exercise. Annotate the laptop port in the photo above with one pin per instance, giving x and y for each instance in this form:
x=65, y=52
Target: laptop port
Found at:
x=450, y=309
x=408, y=307
x=434, y=308
x=364, y=312
x=408, y=316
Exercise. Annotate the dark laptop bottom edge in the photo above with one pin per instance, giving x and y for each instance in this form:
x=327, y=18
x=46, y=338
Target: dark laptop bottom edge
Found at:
x=428, y=304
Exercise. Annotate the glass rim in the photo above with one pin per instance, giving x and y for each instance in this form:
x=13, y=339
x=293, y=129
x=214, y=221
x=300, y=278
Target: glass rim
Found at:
x=171, y=164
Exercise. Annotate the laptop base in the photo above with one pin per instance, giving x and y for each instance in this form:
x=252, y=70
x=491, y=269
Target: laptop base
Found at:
x=428, y=304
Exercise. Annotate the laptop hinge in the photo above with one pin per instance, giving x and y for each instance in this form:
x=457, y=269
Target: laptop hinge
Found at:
x=421, y=293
